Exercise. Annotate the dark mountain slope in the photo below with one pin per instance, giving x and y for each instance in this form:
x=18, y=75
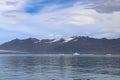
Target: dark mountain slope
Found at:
x=68, y=45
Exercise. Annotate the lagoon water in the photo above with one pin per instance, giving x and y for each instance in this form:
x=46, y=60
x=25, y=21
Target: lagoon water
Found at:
x=62, y=67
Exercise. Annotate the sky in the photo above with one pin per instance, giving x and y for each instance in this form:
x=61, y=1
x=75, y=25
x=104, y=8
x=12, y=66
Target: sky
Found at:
x=59, y=18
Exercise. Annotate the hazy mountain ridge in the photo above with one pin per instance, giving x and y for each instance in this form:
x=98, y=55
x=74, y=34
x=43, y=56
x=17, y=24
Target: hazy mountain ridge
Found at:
x=78, y=44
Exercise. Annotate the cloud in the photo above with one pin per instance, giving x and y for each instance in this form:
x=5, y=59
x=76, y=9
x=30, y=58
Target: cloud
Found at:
x=12, y=22
x=107, y=35
x=54, y=35
x=81, y=20
x=105, y=6
x=16, y=14
x=51, y=8
x=89, y=21
x=6, y=5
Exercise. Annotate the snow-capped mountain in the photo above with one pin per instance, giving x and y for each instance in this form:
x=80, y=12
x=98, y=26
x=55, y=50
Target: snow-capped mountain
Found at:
x=73, y=44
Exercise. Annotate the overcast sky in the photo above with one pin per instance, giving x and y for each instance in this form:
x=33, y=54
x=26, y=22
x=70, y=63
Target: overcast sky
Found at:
x=59, y=18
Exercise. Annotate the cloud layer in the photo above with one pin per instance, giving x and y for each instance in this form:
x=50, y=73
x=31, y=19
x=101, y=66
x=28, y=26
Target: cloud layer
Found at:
x=46, y=19
x=106, y=6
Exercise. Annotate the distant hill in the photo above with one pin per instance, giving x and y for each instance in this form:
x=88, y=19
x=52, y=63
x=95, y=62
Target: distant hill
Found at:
x=83, y=45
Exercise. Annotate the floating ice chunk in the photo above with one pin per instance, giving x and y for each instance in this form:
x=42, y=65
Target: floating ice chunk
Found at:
x=76, y=54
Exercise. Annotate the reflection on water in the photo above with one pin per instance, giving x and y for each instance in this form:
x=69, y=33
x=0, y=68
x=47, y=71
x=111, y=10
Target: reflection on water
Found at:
x=59, y=68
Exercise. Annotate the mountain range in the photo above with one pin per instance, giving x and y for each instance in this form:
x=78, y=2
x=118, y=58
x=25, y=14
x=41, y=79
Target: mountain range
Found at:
x=79, y=44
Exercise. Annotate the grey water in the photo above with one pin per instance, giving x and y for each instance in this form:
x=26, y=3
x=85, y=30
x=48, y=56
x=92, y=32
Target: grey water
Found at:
x=61, y=67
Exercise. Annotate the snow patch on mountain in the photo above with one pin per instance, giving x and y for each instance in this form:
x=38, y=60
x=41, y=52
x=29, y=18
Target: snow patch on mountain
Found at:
x=55, y=40
x=68, y=39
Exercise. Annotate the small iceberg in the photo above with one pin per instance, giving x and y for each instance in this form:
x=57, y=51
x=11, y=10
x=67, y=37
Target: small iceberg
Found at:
x=76, y=54
x=108, y=54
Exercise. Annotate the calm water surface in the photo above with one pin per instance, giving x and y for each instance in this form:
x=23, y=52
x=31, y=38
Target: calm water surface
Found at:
x=39, y=67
